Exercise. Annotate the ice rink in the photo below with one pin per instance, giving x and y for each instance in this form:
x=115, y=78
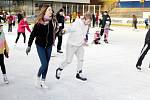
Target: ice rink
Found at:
x=110, y=69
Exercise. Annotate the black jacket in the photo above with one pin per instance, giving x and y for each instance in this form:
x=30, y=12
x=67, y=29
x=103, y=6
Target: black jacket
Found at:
x=147, y=38
x=20, y=16
x=104, y=19
x=60, y=19
x=44, y=37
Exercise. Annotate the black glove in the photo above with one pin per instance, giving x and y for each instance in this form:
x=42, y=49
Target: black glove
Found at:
x=28, y=50
x=6, y=53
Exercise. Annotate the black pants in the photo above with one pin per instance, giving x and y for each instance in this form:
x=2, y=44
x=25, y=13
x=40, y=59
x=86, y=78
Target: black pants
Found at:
x=70, y=20
x=19, y=36
x=59, y=43
x=14, y=23
x=73, y=20
x=10, y=27
x=146, y=26
x=102, y=31
x=2, y=64
x=59, y=35
x=93, y=23
x=143, y=53
x=135, y=25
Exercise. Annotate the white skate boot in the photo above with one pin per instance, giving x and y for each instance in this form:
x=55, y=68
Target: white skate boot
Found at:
x=5, y=79
x=43, y=85
x=38, y=82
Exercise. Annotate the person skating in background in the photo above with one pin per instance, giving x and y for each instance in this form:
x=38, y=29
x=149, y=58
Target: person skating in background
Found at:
x=93, y=19
x=10, y=21
x=74, y=16
x=76, y=40
x=147, y=22
x=144, y=51
x=78, y=15
x=106, y=31
x=14, y=20
x=105, y=17
x=134, y=22
x=44, y=31
x=96, y=37
x=61, y=20
x=1, y=18
x=97, y=19
x=4, y=16
x=70, y=15
x=20, y=16
x=3, y=52
x=21, y=29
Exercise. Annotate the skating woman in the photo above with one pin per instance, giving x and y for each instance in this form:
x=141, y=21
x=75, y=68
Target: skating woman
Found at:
x=44, y=31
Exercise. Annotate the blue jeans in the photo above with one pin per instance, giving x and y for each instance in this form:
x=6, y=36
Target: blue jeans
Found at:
x=44, y=55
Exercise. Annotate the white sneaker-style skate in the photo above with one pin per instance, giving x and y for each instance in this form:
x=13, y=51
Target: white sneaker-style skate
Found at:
x=43, y=85
x=5, y=79
x=37, y=82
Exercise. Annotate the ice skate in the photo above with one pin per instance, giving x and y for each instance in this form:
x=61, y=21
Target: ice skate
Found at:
x=105, y=41
x=38, y=83
x=58, y=73
x=138, y=67
x=5, y=79
x=80, y=76
x=43, y=85
x=59, y=51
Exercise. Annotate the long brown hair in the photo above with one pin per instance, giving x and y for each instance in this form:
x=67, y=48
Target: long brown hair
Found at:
x=40, y=16
x=87, y=15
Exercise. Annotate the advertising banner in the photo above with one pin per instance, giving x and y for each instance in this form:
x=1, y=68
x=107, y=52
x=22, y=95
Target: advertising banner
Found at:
x=127, y=21
x=73, y=1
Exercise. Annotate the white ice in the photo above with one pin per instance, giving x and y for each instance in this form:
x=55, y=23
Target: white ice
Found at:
x=110, y=69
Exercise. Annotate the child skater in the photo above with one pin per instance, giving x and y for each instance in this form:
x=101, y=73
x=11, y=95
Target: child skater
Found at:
x=144, y=50
x=106, y=31
x=75, y=43
x=96, y=37
x=3, y=52
x=21, y=29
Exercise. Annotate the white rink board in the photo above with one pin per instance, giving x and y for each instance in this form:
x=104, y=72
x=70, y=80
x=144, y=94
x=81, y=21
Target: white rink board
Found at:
x=127, y=21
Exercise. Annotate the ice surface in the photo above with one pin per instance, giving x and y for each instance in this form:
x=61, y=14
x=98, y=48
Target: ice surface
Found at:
x=110, y=69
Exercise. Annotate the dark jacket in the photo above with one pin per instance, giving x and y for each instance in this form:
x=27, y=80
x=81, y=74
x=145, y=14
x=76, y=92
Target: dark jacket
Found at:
x=104, y=19
x=20, y=16
x=44, y=34
x=60, y=19
x=147, y=38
